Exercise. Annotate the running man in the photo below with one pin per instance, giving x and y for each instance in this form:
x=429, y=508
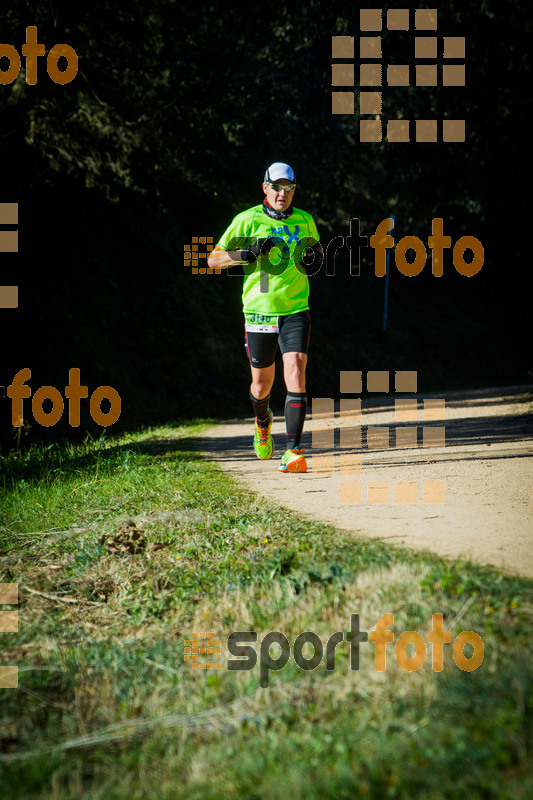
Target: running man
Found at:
x=275, y=302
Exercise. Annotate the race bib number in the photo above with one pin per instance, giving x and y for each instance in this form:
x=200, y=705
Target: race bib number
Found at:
x=260, y=323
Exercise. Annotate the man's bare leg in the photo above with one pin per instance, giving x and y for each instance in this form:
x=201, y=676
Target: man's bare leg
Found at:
x=262, y=380
x=294, y=365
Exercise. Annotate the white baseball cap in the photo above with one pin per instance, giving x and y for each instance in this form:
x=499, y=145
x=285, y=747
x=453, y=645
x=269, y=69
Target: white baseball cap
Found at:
x=279, y=170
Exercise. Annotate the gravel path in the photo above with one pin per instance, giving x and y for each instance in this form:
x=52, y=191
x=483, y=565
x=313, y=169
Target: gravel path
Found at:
x=485, y=470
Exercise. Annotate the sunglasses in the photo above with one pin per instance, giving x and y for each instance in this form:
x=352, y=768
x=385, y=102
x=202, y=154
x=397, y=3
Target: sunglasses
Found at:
x=279, y=186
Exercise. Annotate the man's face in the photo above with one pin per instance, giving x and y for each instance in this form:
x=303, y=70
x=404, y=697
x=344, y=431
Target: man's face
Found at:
x=279, y=199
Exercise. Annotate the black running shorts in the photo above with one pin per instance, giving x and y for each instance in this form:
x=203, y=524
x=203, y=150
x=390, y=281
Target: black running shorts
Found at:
x=263, y=333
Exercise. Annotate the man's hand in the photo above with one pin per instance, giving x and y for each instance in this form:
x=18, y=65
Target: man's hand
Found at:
x=262, y=246
x=312, y=257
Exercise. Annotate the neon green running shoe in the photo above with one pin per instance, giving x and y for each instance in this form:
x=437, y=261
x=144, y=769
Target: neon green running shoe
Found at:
x=263, y=442
x=293, y=461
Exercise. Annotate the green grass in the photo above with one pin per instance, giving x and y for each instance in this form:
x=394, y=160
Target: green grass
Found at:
x=107, y=708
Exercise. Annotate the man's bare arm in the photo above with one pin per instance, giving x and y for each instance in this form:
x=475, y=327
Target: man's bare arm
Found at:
x=223, y=259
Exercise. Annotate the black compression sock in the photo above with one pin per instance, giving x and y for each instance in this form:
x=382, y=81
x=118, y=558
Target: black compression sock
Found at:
x=295, y=410
x=261, y=408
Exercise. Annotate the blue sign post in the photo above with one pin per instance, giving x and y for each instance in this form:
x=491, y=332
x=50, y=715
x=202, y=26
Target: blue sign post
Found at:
x=387, y=273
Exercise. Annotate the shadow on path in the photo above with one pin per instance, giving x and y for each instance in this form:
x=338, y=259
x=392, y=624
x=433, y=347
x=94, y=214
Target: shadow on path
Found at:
x=511, y=428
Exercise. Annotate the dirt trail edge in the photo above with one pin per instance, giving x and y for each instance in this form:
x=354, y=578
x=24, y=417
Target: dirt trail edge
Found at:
x=485, y=470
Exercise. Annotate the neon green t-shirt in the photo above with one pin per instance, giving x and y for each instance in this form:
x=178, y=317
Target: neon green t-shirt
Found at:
x=273, y=284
